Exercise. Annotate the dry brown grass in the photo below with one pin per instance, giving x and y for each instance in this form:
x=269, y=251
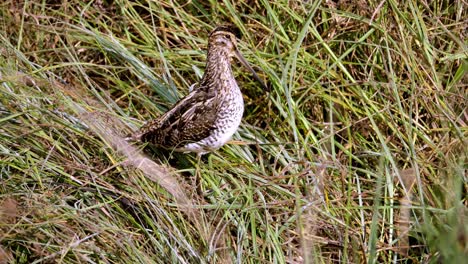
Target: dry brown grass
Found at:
x=356, y=155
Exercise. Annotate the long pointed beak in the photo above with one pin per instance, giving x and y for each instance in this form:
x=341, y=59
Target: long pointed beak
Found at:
x=247, y=65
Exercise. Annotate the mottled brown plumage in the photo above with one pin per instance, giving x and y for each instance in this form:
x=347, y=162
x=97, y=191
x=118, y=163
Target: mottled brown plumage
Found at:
x=208, y=116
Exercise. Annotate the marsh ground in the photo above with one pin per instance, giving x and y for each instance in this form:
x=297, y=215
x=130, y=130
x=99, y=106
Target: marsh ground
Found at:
x=357, y=154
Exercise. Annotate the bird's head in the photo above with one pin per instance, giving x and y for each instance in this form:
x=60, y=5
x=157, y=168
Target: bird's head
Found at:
x=223, y=39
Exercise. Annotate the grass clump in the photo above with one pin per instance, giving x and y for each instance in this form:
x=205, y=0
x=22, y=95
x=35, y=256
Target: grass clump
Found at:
x=357, y=154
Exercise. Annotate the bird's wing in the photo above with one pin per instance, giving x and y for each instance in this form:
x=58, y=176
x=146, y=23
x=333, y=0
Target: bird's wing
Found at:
x=189, y=120
x=198, y=121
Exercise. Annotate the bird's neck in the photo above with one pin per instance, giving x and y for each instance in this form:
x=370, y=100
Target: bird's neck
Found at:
x=218, y=68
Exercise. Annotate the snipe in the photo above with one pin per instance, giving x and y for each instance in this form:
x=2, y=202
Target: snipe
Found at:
x=208, y=116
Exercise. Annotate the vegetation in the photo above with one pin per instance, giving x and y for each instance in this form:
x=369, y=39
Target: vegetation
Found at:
x=356, y=154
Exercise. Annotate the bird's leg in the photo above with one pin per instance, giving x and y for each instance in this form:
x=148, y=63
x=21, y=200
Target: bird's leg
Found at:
x=197, y=180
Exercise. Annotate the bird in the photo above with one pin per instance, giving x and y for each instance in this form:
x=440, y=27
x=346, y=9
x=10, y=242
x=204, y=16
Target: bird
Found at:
x=207, y=117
